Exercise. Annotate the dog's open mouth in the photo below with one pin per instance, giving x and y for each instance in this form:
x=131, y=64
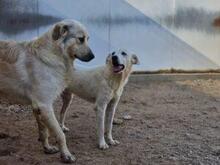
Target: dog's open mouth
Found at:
x=118, y=68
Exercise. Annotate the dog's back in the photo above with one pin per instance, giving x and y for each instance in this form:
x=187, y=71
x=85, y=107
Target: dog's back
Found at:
x=10, y=76
x=86, y=83
x=9, y=51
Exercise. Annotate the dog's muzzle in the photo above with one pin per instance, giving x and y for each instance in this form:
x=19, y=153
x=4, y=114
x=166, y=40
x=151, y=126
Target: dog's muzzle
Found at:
x=87, y=57
x=117, y=66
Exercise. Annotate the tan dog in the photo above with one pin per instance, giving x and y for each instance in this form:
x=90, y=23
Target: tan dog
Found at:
x=104, y=86
x=36, y=72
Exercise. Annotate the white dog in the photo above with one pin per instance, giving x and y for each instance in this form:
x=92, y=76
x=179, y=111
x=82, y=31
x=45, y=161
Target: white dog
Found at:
x=38, y=71
x=104, y=86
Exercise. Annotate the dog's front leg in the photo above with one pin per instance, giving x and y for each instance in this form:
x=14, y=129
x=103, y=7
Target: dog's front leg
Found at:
x=100, y=109
x=110, y=112
x=49, y=119
x=44, y=134
x=67, y=98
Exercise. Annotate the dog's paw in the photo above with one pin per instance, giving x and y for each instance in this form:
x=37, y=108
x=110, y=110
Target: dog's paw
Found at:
x=67, y=158
x=51, y=150
x=114, y=142
x=103, y=146
x=65, y=129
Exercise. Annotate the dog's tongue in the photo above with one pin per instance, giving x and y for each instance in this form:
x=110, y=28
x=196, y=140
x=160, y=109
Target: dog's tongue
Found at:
x=118, y=68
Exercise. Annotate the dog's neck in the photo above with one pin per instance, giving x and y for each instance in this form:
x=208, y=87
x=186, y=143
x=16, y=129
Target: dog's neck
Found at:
x=51, y=53
x=41, y=42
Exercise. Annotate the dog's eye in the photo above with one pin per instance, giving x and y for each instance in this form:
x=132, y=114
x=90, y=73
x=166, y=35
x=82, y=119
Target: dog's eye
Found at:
x=123, y=53
x=81, y=39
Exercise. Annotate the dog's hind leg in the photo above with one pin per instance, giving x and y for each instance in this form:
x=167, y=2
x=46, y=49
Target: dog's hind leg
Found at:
x=110, y=112
x=49, y=119
x=67, y=98
x=44, y=134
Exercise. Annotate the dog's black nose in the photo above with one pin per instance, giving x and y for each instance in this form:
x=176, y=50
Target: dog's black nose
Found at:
x=86, y=58
x=91, y=55
x=115, y=60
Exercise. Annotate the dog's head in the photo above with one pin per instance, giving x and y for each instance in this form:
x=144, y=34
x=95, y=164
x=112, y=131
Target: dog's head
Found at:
x=72, y=37
x=121, y=61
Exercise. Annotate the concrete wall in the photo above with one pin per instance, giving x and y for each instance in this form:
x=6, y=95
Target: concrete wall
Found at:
x=163, y=33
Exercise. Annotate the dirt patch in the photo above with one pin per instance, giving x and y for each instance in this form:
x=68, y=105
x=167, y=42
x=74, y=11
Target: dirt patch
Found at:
x=174, y=122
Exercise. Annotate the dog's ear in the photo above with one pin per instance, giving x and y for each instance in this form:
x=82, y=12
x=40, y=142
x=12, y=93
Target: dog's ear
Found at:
x=59, y=31
x=134, y=59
